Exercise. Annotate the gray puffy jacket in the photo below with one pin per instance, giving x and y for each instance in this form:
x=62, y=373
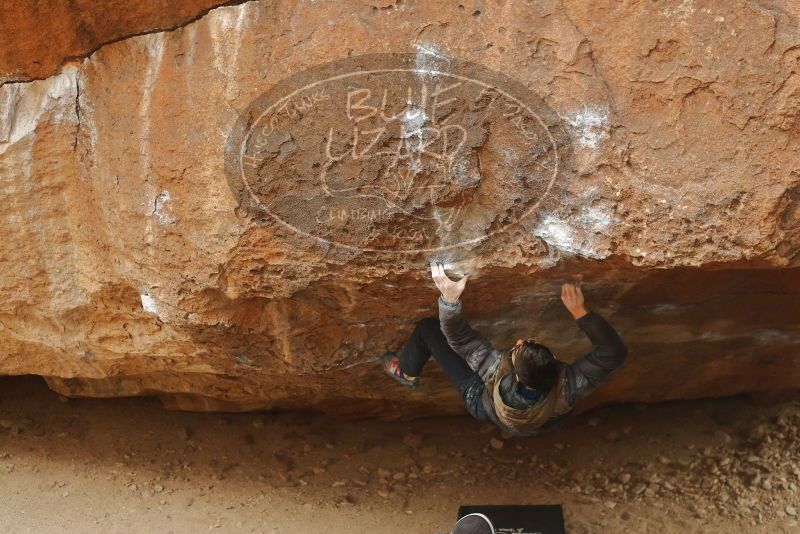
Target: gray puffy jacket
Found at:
x=582, y=377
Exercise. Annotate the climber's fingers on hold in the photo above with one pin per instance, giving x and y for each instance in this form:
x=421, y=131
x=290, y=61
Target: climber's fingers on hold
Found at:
x=437, y=274
x=438, y=271
x=564, y=291
x=569, y=294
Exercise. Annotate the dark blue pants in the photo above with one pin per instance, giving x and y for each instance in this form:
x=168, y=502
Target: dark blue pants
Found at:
x=428, y=340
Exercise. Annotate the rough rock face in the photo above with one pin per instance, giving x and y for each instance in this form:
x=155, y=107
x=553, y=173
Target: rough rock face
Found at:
x=37, y=37
x=650, y=148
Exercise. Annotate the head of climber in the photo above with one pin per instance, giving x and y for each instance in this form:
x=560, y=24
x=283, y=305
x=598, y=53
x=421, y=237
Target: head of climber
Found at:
x=534, y=365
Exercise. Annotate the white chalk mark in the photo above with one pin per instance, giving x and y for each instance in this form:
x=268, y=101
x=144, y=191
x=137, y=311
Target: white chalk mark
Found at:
x=579, y=238
x=413, y=120
x=148, y=303
x=24, y=105
x=428, y=50
x=161, y=208
x=591, y=125
x=430, y=61
x=557, y=233
x=594, y=219
x=226, y=26
x=155, y=51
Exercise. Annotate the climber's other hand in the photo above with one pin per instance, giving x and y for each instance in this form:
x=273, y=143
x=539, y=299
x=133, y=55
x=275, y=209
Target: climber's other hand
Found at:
x=572, y=297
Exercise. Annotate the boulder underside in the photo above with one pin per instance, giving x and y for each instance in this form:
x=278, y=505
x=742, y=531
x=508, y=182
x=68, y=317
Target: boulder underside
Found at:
x=233, y=208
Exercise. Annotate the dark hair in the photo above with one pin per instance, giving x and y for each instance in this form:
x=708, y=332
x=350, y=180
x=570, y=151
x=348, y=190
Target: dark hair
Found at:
x=536, y=367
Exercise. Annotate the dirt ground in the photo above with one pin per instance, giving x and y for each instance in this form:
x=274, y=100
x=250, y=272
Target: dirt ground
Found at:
x=128, y=466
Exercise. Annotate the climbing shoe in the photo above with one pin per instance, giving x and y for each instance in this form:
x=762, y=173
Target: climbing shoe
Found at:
x=391, y=365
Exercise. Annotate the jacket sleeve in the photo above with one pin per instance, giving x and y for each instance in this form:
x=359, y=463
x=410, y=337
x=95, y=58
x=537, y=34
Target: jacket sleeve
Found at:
x=607, y=354
x=479, y=353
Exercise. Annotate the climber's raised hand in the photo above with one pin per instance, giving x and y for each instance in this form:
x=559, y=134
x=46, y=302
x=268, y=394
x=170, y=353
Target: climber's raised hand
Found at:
x=451, y=291
x=572, y=297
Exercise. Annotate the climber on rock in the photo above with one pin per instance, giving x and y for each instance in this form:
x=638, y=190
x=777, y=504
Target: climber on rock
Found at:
x=524, y=391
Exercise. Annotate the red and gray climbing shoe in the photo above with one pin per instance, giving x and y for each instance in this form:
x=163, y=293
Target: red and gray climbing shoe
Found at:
x=391, y=365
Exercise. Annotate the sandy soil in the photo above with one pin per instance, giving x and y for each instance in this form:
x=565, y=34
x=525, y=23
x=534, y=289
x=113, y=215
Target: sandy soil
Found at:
x=128, y=466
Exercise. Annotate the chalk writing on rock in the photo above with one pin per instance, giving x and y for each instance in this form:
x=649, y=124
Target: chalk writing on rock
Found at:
x=378, y=154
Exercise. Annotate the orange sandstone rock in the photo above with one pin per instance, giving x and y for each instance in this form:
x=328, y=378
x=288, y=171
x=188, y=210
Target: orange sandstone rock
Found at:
x=652, y=150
